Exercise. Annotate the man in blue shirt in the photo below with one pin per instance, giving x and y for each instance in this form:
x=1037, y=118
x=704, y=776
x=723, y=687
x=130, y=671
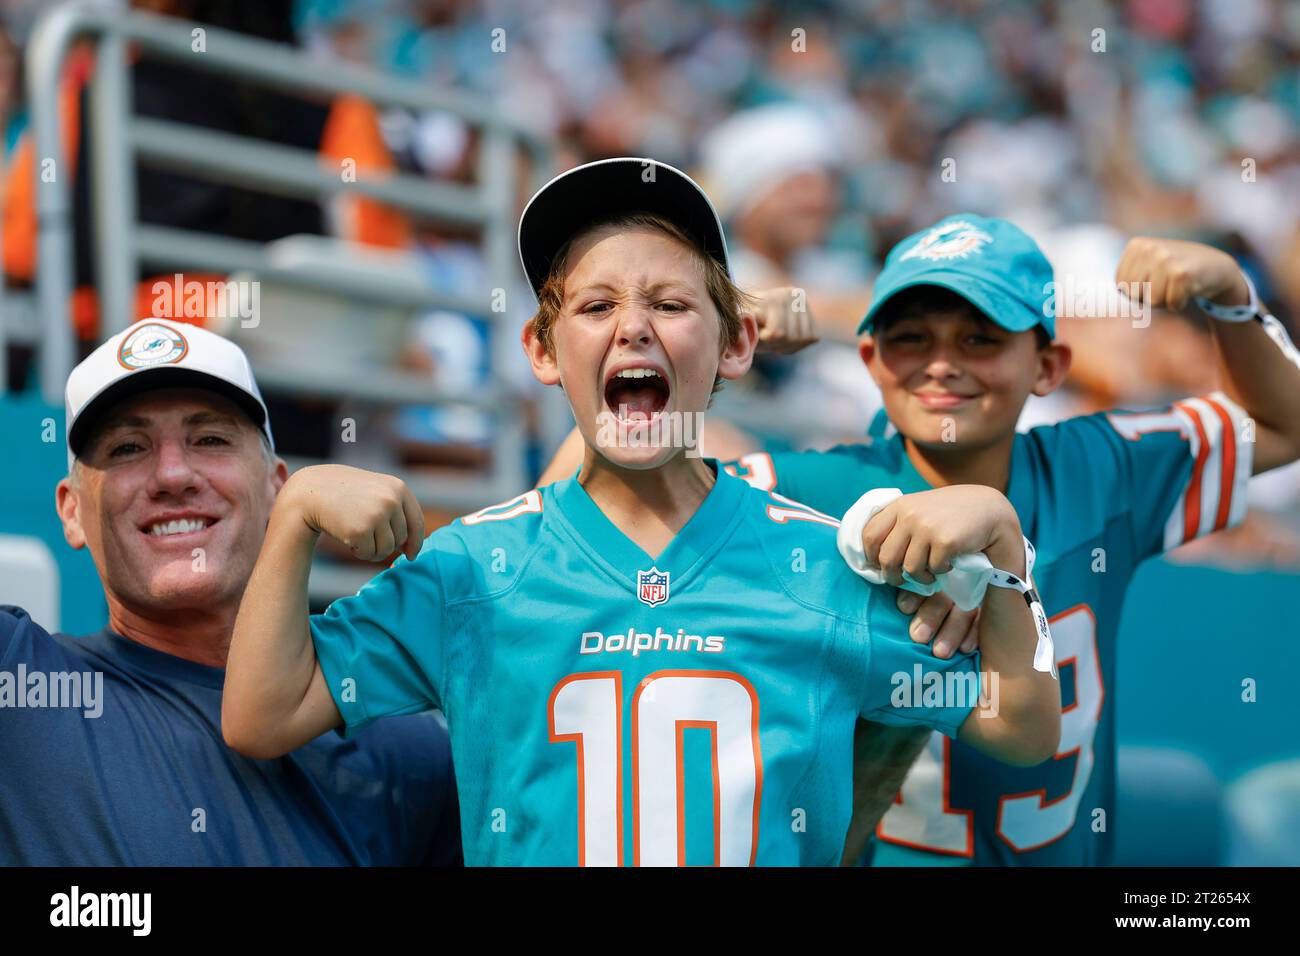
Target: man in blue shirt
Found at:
x=110, y=744
x=650, y=663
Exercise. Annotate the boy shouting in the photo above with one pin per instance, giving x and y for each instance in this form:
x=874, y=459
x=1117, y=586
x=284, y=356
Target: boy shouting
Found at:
x=632, y=667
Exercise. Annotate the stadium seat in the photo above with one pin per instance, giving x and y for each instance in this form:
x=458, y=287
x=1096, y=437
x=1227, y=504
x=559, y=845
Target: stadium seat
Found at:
x=29, y=578
x=1169, y=809
x=306, y=322
x=1263, y=816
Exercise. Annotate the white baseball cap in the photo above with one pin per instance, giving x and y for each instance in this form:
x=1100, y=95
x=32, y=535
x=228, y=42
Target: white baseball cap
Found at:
x=153, y=354
x=750, y=153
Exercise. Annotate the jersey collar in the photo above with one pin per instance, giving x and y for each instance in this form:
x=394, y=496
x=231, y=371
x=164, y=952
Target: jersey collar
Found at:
x=703, y=535
x=1021, y=488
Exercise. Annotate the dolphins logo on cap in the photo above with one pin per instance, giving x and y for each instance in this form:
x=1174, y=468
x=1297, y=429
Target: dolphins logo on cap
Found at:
x=949, y=240
x=152, y=344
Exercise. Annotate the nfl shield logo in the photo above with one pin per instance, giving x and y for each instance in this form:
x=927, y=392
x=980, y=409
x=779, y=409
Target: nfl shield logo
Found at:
x=652, y=587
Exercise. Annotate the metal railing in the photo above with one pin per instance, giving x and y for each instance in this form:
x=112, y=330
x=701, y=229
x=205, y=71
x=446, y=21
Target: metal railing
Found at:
x=121, y=245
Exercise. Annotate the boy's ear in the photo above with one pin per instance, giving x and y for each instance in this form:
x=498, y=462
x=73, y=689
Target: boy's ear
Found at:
x=737, y=357
x=867, y=351
x=543, y=362
x=1053, y=366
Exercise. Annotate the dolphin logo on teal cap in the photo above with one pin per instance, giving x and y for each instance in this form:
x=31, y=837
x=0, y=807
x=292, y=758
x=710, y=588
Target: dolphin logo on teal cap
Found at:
x=992, y=263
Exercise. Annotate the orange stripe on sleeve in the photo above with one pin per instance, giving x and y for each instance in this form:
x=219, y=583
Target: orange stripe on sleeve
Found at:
x=1192, y=508
x=1228, y=472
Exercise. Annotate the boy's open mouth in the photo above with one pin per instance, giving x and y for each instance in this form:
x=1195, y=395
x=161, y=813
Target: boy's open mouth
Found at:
x=637, y=393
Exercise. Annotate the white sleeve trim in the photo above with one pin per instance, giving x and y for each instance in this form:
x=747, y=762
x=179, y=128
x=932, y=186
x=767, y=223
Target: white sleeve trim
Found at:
x=1215, y=496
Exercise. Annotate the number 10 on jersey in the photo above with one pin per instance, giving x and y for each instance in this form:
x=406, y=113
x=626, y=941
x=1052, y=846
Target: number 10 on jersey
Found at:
x=587, y=710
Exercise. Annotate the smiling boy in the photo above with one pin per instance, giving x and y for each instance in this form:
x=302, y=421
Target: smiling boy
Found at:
x=959, y=335
x=651, y=663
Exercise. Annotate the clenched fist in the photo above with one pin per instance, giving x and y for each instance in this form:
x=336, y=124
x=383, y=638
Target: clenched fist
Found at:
x=373, y=515
x=1169, y=273
x=785, y=323
x=919, y=534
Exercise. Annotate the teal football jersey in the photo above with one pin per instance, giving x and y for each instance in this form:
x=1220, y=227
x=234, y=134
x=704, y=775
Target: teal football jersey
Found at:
x=1096, y=495
x=606, y=708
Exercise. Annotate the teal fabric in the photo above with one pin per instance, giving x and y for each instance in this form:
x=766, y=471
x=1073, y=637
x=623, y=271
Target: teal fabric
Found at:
x=1095, y=504
x=579, y=712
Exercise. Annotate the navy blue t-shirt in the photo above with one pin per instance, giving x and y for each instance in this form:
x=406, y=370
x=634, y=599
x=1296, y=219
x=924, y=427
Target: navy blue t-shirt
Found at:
x=135, y=773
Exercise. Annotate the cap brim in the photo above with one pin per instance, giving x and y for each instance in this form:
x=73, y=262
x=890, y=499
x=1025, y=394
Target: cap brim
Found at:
x=1001, y=308
x=612, y=187
x=152, y=379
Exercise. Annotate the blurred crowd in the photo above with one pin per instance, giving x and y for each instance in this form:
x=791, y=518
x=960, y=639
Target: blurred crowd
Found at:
x=828, y=130
x=1135, y=114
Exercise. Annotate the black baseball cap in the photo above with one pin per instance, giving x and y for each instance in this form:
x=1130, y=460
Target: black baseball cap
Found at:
x=612, y=187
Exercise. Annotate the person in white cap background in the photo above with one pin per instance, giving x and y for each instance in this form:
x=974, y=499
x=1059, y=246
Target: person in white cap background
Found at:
x=773, y=173
x=111, y=743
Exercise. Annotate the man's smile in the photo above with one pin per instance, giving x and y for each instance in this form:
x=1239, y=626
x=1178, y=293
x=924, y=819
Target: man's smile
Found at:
x=177, y=527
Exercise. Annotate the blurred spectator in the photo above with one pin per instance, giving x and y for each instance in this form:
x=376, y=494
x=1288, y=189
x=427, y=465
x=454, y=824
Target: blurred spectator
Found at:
x=13, y=109
x=772, y=172
x=1140, y=114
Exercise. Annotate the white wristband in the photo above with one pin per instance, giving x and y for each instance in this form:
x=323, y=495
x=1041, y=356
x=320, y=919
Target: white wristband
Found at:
x=966, y=583
x=1232, y=313
x=1245, y=313
x=1277, y=332
x=1044, y=650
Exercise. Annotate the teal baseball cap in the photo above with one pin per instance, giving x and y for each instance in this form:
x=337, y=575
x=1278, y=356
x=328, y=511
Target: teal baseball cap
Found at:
x=991, y=263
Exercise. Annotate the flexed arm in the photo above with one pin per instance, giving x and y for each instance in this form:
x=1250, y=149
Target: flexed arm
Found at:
x=1258, y=368
x=275, y=696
